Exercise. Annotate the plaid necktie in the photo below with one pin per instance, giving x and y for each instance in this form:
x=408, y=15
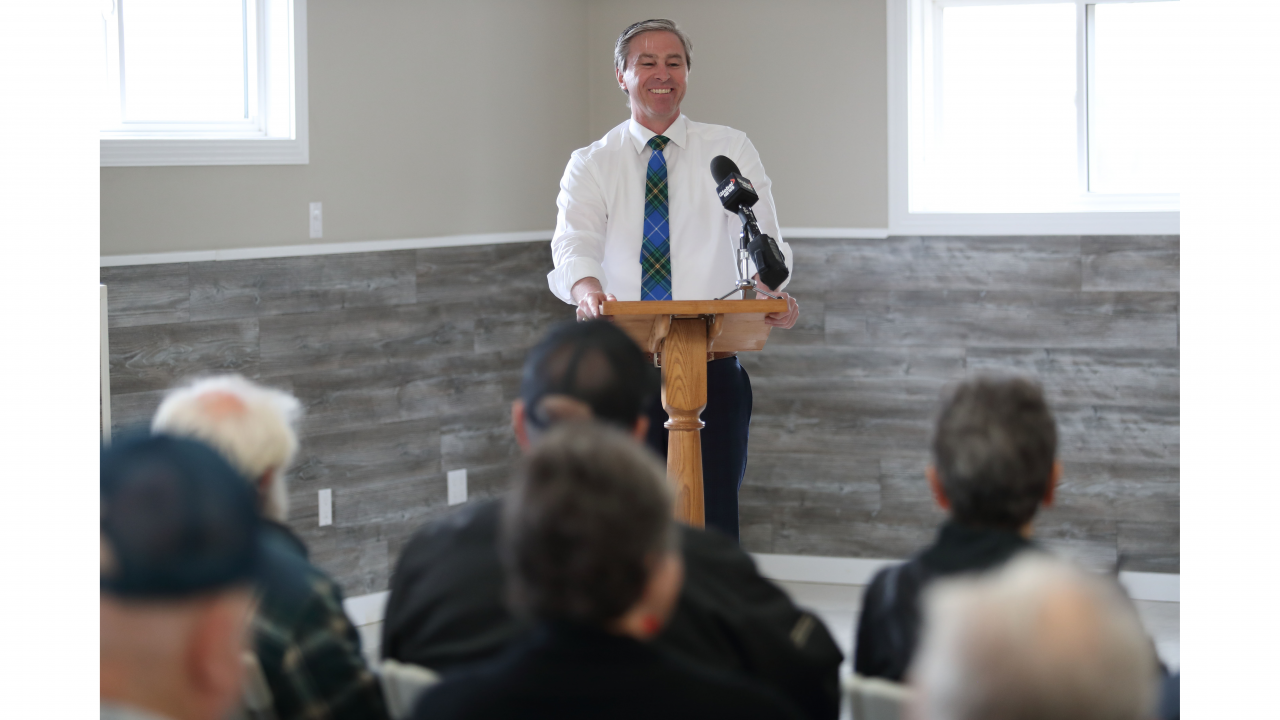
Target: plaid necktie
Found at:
x=655, y=251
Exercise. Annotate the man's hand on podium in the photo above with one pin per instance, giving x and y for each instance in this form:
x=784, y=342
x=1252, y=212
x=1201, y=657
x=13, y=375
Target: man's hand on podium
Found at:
x=782, y=320
x=590, y=298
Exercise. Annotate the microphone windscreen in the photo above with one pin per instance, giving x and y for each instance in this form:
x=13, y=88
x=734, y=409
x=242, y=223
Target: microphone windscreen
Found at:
x=722, y=167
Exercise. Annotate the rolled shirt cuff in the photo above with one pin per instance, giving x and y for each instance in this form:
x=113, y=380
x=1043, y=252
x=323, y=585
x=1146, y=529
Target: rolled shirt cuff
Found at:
x=562, y=279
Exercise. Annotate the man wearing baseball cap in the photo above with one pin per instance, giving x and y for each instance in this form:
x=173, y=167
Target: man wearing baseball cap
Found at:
x=180, y=551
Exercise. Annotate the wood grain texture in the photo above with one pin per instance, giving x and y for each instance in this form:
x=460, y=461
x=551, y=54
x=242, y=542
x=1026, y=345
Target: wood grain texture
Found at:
x=1131, y=262
x=1149, y=546
x=1113, y=376
x=280, y=286
x=1001, y=318
x=155, y=357
x=684, y=396
x=483, y=273
x=938, y=263
x=739, y=324
x=341, y=339
x=147, y=294
x=896, y=322
x=407, y=362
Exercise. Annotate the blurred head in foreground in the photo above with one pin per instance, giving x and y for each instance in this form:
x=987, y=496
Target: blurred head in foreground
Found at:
x=251, y=425
x=583, y=370
x=180, y=548
x=994, y=453
x=1038, y=640
x=588, y=536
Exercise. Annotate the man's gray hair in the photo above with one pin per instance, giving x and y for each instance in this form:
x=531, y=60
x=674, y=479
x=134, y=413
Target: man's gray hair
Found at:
x=994, y=447
x=588, y=512
x=251, y=425
x=1040, y=639
x=623, y=46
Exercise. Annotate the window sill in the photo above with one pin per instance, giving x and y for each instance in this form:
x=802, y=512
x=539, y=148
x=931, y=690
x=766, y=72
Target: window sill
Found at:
x=1065, y=223
x=154, y=152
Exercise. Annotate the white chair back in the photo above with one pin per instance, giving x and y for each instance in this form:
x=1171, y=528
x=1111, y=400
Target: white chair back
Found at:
x=875, y=698
x=402, y=683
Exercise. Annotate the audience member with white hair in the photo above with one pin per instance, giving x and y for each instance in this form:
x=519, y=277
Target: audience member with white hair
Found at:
x=308, y=649
x=1040, y=639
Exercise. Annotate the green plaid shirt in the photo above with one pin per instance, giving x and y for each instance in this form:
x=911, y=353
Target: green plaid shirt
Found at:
x=308, y=649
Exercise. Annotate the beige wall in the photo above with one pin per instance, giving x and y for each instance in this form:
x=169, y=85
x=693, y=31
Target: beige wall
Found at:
x=451, y=117
x=805, y=79
x=427, y=118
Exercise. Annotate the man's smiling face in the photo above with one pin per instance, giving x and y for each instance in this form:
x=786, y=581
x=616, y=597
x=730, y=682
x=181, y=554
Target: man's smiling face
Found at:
x=655, y=77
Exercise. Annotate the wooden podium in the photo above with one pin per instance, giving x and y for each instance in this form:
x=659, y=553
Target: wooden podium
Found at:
x=685, y=332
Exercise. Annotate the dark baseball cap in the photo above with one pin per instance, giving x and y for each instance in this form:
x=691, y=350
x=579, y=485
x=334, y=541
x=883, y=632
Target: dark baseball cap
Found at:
x=593, y=362
x=177, y=520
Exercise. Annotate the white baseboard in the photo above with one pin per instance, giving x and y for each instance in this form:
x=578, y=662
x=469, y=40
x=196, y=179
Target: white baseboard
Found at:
x=825, y=233
x=815, y=569
x=1158, y=587
x=363, y=246
x=337, y=248
x=367, y=609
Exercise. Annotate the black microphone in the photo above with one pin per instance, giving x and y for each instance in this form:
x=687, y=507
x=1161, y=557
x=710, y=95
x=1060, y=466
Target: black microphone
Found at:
x=735, y=192
x=737, y=195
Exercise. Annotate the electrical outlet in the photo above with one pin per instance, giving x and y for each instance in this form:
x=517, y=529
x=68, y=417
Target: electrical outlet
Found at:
x=457, y=486
x=326, y=507
x=317, y=221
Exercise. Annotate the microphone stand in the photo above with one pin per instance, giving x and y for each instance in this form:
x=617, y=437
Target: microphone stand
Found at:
x=744, y=283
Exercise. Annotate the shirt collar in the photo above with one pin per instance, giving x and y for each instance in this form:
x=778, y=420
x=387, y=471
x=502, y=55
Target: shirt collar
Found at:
x=677, y=133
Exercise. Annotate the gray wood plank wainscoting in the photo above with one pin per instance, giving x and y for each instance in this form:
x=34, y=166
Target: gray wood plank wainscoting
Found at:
x=407, y=361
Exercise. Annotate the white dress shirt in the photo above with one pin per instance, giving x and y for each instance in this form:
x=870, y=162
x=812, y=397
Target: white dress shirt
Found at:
x=601, y=211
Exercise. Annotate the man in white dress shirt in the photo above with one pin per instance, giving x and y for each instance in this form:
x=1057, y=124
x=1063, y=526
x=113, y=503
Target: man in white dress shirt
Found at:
x=639, y=219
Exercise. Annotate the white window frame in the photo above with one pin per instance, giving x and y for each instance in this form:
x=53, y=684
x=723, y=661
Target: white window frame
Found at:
x=226, y=143
x=1155, y=214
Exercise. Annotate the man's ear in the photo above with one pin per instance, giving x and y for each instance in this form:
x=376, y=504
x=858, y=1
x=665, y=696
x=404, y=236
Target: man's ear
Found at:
x=662, y=591
x=518, y=424
x=264, y=482
x=641, y=429
x=621, y=81
x=1055, y=477
x=214, y=654
x=935, y=484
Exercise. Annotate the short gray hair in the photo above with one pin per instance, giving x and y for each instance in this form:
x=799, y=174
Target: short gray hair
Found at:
x=252, y=426
x=994, y=447
x=589, y=511
x=623, y=46
x=1040, y=639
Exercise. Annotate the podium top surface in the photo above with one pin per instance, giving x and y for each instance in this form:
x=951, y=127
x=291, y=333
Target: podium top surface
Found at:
x=738, y=324
x=691, y=307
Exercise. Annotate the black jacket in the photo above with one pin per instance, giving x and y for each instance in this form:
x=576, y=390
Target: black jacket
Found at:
x=889, y=624
x=567, y=671
x=446, y=611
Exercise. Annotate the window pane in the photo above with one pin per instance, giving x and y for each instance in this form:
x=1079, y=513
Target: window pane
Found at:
x=1005, y=134
x=184, y=60
x=1132, y=141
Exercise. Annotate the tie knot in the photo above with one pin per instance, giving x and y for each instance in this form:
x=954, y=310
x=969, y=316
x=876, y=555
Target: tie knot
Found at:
x=659, y=142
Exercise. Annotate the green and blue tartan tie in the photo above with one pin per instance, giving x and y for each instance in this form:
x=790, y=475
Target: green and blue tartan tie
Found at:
x=655, y=250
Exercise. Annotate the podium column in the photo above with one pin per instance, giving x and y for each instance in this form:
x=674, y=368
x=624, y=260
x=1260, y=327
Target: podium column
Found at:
x=684, y=396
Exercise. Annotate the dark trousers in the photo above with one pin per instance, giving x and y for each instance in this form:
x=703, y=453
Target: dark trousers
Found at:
x=724, y=440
